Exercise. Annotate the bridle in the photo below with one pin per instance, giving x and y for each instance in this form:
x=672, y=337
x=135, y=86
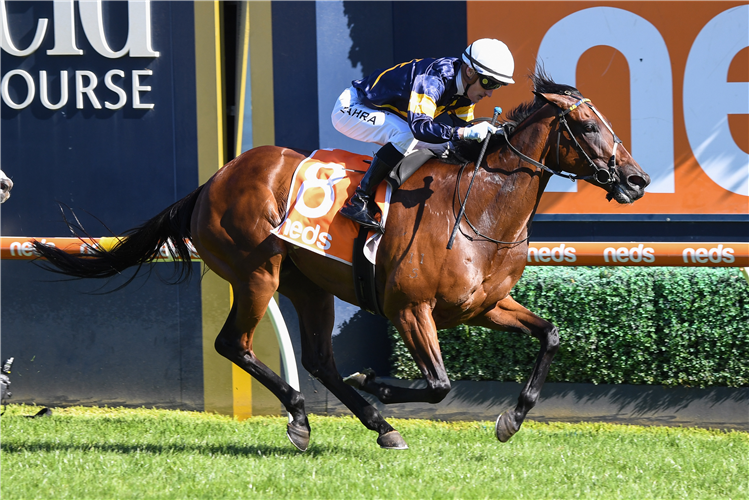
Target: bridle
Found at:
x=600, y=175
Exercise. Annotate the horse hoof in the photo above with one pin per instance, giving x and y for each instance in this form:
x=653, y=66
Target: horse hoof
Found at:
x=505, y=427
x=392, y=441
x=298, y=437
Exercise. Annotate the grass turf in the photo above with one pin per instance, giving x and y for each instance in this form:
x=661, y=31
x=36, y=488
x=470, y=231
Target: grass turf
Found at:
x=140, y=453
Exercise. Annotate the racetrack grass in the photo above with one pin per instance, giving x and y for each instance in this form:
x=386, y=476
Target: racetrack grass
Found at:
x=138, y=453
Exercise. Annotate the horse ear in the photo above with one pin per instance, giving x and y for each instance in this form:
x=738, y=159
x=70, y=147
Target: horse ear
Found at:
x=540, y=95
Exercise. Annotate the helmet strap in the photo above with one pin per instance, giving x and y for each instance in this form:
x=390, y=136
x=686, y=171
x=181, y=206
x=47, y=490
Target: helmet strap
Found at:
x=472, y=80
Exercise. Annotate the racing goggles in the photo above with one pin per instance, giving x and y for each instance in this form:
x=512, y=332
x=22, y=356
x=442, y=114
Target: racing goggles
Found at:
x=489, y=84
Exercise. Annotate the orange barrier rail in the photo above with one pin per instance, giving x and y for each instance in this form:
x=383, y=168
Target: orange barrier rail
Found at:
x=539, y=254
x=19, y=247
x=639, y=254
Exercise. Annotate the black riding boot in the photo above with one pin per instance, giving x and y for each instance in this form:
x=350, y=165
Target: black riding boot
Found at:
x=357, y=208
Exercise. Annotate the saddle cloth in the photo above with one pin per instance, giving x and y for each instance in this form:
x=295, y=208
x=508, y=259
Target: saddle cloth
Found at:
x=320, y=186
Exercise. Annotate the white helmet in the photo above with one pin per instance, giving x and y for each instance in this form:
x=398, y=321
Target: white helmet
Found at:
x=492, y=58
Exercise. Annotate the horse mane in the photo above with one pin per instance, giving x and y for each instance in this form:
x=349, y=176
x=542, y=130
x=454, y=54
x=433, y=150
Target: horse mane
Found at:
x=468, y=150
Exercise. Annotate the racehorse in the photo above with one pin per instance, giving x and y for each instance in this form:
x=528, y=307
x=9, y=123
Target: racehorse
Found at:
x=421, y=285
x=5, y=186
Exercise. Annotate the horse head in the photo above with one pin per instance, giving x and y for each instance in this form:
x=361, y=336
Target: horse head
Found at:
x=5, y=186
x=588, y=148
x=580, y=143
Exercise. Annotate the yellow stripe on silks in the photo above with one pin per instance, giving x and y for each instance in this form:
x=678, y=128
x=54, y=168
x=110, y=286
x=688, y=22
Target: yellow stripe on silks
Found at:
x=465, y=114
x=393, y=109
x=391, y=69
x=422, y=104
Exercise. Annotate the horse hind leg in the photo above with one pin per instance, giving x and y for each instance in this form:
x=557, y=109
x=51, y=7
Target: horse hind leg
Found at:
x=234, y=342
x=315, y=308
x=508, y=315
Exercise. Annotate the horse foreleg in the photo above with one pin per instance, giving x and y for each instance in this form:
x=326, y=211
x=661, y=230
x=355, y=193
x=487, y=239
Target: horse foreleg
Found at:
x=510, y=316
x=316, y=311
x=419, y=333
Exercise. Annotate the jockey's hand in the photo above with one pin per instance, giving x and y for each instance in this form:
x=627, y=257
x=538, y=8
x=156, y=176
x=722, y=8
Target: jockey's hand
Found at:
x=478, y=132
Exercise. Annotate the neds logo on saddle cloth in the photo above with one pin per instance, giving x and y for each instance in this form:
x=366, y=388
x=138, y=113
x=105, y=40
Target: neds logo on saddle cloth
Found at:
x=320, y=186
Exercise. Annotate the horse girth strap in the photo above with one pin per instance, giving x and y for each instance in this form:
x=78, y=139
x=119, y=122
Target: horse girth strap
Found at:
x=364, y=276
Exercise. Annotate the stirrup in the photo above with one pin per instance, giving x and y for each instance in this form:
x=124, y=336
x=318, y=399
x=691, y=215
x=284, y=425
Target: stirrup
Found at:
x=361, y=217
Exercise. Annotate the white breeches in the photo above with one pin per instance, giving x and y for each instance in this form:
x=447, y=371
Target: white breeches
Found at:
x=355, y=119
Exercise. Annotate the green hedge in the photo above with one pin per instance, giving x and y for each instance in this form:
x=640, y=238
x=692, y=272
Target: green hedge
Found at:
x=625, y=325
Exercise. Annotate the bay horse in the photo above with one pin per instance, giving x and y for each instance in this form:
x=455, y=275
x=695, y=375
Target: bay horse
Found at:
x=5, y=186
x=421, y=285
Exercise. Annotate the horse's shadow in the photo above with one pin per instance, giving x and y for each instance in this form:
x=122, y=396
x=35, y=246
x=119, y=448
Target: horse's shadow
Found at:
x=410, y=198
x=236, y=450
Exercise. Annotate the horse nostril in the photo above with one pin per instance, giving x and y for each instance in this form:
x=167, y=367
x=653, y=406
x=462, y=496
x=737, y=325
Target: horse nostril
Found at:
x=636, y=180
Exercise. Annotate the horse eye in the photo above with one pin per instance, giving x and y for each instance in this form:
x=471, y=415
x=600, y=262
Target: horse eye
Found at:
x=590, y=127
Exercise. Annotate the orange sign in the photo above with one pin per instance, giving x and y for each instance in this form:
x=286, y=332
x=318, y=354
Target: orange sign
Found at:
x=539, y=254
x=671, y=76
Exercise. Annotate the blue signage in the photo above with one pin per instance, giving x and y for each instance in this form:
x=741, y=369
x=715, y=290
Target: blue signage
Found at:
x=98, y=110
x=99, y=113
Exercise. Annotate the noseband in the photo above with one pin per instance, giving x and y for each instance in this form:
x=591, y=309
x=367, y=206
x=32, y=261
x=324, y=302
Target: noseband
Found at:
x=600, y=175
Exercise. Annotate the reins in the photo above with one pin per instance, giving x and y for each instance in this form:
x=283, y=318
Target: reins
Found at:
x=602, y=176
x=497, y=111
x=468, y=221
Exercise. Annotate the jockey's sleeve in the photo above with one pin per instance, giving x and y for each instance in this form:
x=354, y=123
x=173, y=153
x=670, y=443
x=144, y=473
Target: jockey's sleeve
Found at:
x=427, y=91
x=418, y=91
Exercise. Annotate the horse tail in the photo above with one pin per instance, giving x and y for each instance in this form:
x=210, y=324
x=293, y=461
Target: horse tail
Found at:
x=136, y=247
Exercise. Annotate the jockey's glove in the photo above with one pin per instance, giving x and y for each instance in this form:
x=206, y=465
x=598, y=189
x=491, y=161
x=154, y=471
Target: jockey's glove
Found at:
x=479, y=131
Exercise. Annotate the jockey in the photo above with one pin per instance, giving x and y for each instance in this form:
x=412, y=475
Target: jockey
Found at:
x=396, y=108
